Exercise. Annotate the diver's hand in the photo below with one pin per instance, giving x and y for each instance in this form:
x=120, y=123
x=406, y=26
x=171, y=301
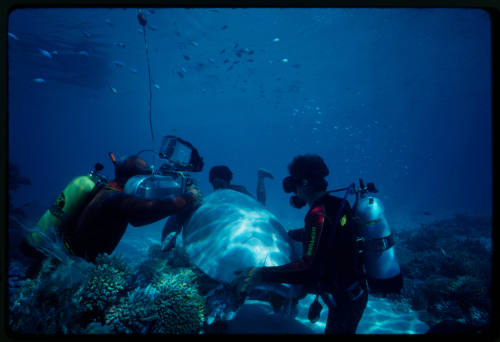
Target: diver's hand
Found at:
x=197, y=195
x=245, y=281
x=264, y=174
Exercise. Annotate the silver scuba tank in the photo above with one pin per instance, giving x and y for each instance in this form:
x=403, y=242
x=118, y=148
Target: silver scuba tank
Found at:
x=156, y=186
x=379, y=257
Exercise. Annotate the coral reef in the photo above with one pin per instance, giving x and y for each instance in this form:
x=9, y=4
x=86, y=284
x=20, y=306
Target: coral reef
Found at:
x=447, y=269
x=171, y=306
x=108, y=280
x=46, y=305
x=72, y=296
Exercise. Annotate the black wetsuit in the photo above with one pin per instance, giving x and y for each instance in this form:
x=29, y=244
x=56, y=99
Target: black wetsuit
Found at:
x=103, y=222
x=333, y=270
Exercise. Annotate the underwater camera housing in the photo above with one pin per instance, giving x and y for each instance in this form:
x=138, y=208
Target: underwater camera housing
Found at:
x=170, y=179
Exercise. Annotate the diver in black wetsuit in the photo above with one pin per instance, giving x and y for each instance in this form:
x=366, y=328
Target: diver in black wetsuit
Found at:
x=103, y=222
x=333, y=271
x=220, y=177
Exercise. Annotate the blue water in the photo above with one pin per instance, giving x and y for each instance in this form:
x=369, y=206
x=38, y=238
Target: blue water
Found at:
x=399, y=97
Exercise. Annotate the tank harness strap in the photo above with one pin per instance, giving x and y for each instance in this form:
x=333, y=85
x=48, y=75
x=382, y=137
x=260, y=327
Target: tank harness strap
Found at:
x=337, y=219
x=379, y=245
x=110, y=187
x=95, y=190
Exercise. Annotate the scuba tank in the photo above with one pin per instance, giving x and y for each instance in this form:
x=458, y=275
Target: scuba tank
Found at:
x=69, y=204
x=376, y=242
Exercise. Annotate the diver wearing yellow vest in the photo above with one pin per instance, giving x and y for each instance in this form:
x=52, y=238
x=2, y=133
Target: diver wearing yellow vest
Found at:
x=93, y=219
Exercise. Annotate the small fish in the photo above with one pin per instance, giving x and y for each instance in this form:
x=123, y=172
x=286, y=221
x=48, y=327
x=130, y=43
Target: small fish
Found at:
x=285, y=60
x=186, y=58
x=83, y=53
x=45, y=53
x=156, y=85
x=250, y=60
x=140, y=30
x=150, y=11
x=55, y=52
x=235, y=46
x=86, y=34
x=194, y=43
x=181, y=75
x=113, y=90
x=153, y=28
x=211, y=60
x=296, y=66
x=13, y=36
x=222, y=51
x=184, y=70
x=238, y=53
x=427, y=213
x=275, y=40
x=229, y=68
x=224, y=27
x=133, y=70
x=119, y=63
x=443, y=252
x=226, y=60
x=119, y=44
x=107, y=21
x=39, y=80
x=250, y=52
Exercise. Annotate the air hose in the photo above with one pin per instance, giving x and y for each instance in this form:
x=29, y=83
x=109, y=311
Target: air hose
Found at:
x=142, y=20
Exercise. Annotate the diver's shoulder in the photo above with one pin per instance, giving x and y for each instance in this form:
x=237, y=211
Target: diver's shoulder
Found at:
x=239, y=188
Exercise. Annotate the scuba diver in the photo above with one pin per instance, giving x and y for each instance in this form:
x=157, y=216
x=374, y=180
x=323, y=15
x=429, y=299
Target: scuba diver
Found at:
x=103, y=222
x=220, y=177
x=98, y=223
x=330, y=267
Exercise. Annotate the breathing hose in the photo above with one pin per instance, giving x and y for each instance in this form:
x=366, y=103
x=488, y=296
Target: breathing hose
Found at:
x=142, y=20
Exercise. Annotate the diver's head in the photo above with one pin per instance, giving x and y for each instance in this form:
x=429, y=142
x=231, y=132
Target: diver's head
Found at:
x=220, y=177
x=130, y=166
x=306, y=180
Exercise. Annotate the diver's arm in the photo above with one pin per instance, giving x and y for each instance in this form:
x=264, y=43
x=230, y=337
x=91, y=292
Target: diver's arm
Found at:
x=261, y=189
x=240, y=188
x=301, y=271
x=140, y=212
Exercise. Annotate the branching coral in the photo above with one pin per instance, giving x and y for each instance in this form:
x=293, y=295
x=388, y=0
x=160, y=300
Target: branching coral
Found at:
x=171, y=306
x=107, y=282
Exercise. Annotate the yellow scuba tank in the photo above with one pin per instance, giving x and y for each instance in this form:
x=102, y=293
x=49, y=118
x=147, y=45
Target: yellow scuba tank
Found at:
x=69, y=204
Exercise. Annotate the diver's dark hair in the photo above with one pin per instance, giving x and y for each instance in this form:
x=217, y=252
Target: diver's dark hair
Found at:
x=129, y=166
x=310, y=167
x=220, y=171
